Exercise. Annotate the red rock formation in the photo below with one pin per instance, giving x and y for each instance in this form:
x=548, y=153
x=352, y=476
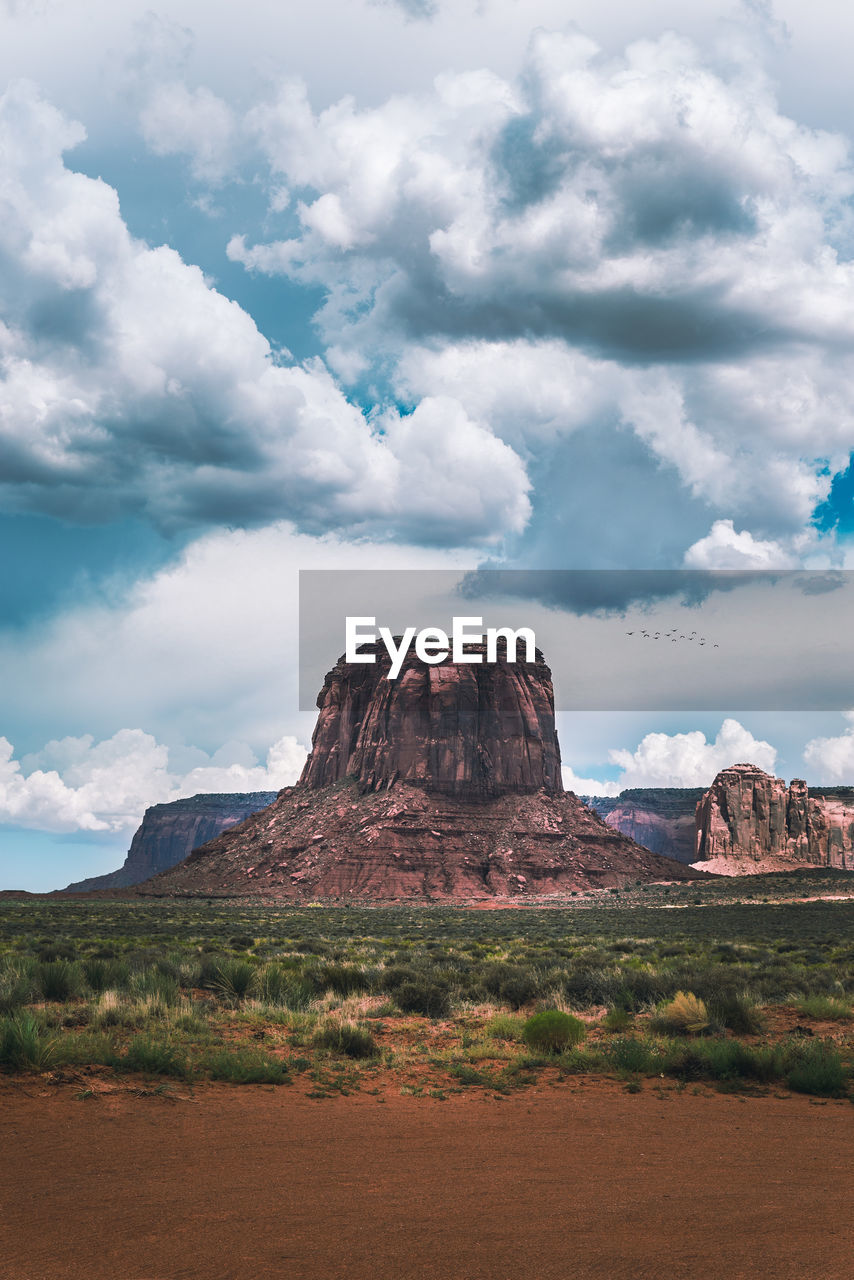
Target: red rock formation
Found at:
x=442, y=786
x=469, y=730
x=168, y=832
x=662, y=819
x=748, y=821
x=406, y=843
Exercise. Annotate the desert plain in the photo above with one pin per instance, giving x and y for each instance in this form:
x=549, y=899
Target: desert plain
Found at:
x=222, y=1088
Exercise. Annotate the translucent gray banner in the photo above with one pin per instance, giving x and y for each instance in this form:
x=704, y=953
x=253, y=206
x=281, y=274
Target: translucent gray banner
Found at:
x=633, y=640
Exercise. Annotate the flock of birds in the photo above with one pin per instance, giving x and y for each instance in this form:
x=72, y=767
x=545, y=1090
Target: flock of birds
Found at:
x=674, y=636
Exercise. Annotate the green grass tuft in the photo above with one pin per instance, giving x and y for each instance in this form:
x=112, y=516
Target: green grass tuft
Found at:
x=25, y=1045
x=348, y=1038
x=551, y=1031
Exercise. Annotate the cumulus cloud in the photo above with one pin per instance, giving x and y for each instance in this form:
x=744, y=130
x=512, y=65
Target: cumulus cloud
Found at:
x=645, y=240
x=203, y=649
x=77, y=784
x=678, y=760
x=588, y=786
x=645, y=206
x=195, y=123
x=832, y=759
x=128, y=384
x=724, y=548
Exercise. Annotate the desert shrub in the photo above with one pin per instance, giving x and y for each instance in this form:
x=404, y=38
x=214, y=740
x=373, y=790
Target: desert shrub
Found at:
x=155, y=985
x=735, y=1012
x=730, y=1060
x=629, y=1053
x=505, y=1026
x=311, y=947
x=210, y=964
x=25, y=1044
x=54, y=951
x=58, y=979
x=241, y=942
x=395, y=975
x=245, y=1066
x=17, y=986
x=551, y=1031
x=112, y=1011
x=97, y=974
x=685, y=1014
x=153, y=1058
x=423, y=996
x=617, y=1019
x=280, y=986
x=511, y=984
x=348, y=1038
x=825, y=1008
x=817, y=1069
x=235, y=980
x=343, y=979
x=686, y=1062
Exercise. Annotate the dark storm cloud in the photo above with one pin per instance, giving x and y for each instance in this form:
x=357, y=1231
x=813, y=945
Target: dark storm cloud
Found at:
x=607, y=592
x=622, y=324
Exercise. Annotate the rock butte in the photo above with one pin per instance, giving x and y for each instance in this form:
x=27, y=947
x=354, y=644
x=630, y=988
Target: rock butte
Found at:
x=169, y=832
x=749, y=821
x=441, y=786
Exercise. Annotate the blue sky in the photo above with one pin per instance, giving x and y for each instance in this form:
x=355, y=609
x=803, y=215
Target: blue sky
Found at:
x=378, y=284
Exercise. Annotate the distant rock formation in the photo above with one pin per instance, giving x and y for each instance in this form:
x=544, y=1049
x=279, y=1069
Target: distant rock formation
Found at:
x=443, y=786
x=170, y=831
x=749, y=821
x=662, y=819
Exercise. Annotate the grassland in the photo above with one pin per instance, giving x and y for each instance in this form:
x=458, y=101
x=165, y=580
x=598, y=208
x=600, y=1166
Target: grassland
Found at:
x=738, y=985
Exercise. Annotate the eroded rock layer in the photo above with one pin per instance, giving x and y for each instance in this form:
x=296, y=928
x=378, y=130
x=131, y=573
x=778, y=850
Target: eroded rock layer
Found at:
x=662, y=819
x=170, y=831
x=472, y=730
x=404, y=843
x=749, y=821
x=441, y=786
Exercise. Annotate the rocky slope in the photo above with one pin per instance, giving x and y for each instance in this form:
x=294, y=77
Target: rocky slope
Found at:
x=662, y=819
x=749, y=821
x=170, y=831
x=442, y=786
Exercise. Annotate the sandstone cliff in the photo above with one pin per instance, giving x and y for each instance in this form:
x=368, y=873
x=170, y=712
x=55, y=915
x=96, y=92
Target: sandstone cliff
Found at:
x=749, y=821
x=659, y=818
x=170, y=831
x=470, y=730
x=442, y=786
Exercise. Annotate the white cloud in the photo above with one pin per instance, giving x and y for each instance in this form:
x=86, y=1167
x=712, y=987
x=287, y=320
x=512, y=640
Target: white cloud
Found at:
x=129, y=385
x=205, y=648
x=76, y=784
x=591, y=176
x=195, y=123
x=678, y=760
x=831, y=760
x=724, y=548
x=528, y=245
x=588, y=786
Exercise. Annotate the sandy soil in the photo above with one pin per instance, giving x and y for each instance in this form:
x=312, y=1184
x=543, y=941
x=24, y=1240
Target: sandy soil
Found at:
x=563, y=1184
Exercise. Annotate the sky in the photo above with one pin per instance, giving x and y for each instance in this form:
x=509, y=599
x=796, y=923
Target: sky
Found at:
x=398, y=284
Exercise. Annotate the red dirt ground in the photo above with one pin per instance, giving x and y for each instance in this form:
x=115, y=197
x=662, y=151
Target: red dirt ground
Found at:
x=577, y=1182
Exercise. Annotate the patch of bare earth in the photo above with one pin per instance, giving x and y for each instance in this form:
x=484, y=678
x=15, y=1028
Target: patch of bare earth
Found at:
x=584, y=1181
